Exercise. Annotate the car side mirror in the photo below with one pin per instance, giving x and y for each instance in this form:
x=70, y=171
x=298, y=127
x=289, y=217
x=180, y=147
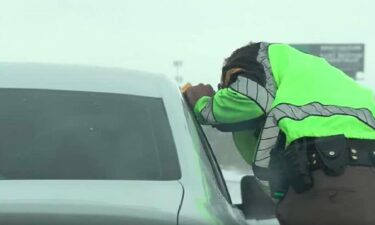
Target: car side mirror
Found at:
x=256, y=204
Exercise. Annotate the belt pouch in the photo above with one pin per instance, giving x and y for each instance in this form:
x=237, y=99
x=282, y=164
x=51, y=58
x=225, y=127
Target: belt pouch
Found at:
x=334, y=154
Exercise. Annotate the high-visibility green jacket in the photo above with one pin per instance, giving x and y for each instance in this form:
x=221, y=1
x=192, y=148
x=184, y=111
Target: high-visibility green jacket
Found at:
x=304, y=96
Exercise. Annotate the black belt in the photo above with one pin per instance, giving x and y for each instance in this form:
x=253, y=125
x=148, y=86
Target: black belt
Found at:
x=359, y=153
x=332, y=154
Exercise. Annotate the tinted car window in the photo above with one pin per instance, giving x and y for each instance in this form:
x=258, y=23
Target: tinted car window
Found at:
x=49, y=134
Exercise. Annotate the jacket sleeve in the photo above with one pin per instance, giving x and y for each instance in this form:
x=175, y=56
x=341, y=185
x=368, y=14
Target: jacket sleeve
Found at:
x=226, y=106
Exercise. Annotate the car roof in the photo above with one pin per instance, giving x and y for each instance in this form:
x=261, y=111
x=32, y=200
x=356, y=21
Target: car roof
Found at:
x=80, y=78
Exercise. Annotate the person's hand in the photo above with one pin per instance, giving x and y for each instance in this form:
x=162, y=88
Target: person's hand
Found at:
x=194, y=93
x=185, y=87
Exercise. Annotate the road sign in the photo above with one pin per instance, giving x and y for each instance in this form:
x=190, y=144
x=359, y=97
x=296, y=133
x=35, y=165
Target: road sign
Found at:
x=347, y=57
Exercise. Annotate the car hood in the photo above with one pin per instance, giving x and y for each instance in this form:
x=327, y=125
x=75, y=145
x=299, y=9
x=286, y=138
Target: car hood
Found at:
x=89, y=202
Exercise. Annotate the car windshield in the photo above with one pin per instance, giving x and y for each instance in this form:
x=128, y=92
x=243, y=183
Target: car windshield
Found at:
x=51, y=134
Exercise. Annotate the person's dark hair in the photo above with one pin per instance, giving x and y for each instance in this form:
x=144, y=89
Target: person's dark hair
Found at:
x=246, y=58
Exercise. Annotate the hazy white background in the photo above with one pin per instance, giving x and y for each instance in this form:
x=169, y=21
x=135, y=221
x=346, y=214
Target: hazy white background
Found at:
x=149, y=34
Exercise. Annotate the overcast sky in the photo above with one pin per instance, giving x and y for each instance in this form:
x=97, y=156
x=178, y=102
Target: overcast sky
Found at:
x=150, y=35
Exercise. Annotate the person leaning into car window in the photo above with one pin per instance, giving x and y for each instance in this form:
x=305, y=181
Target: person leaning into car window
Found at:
x=316, y=142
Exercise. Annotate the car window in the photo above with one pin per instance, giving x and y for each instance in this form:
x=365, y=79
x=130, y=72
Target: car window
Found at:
x=228, y=156
x=195, y=128
x=51, y=134
x=232, y=165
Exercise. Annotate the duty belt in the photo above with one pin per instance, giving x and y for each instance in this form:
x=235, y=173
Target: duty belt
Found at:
x=358, y=152
x=331, y=154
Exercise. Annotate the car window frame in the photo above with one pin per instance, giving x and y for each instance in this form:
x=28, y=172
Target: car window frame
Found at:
x=219, y=178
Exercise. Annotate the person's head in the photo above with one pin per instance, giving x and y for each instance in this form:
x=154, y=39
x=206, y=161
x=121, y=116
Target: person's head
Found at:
x=242, y=61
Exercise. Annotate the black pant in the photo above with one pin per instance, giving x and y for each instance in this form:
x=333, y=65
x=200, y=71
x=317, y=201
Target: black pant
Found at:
x=348, y=199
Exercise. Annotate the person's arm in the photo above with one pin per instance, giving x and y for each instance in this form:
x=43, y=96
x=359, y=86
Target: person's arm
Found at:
x=227, y=105
x=239, y=102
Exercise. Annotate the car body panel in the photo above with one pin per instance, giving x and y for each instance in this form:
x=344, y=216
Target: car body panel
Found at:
x=130, y=202
x=79, y=78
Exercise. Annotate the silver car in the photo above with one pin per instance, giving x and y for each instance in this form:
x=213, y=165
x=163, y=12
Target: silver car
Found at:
x=88, y=145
